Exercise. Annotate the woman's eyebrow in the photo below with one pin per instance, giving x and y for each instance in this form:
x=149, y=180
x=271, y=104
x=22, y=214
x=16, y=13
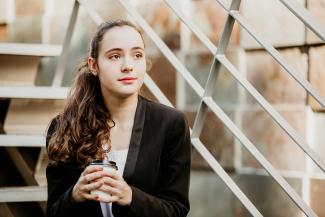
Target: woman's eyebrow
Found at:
x=137, y=48
x=114, y=49
x=120, y=49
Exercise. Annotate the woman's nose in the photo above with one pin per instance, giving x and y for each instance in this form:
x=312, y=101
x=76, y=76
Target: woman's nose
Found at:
x=126, y=69
x=127, y=66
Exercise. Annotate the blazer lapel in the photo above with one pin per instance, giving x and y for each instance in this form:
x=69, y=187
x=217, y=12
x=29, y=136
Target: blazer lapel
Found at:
x=135, y=141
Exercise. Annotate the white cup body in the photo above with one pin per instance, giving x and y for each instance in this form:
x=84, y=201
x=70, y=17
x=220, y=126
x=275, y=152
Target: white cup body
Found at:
x=101, y=193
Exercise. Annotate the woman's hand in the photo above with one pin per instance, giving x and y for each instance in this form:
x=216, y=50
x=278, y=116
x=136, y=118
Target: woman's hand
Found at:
x=90, y=179
x=120, y=191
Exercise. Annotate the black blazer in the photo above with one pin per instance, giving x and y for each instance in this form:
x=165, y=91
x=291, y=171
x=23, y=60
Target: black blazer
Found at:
x=157, y=169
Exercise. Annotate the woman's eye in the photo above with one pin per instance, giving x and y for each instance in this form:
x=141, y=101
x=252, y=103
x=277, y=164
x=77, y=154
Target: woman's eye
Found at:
x=138, y=55
x=114, y=57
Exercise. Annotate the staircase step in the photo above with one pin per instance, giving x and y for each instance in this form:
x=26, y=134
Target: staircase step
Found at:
x=33, y=92
x=30, y=49
x=17, y=140
x=31, y=116
x=18, y=70
x=23, y=194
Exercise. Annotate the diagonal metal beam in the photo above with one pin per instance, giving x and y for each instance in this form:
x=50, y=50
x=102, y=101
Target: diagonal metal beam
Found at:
x=305, y=17
x=22, y=166
x=5, y=210
x=91, y=12
x=156, y=90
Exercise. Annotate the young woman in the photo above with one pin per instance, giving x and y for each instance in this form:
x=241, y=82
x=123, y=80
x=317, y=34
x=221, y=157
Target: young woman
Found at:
x=150, y=142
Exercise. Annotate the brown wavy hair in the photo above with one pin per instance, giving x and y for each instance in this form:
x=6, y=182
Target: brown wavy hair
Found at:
x=85, y=123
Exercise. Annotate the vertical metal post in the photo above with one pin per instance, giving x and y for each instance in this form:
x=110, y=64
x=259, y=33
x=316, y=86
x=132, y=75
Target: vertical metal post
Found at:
x=58, y=77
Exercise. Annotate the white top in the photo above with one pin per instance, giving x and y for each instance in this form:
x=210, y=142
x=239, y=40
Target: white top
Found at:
x=119, y=156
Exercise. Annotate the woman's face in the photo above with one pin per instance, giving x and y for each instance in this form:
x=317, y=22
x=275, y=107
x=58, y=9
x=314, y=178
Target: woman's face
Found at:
x=121, y=63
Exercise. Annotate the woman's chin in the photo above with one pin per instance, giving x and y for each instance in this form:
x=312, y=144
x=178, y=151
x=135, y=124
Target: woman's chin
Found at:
x=127, y=93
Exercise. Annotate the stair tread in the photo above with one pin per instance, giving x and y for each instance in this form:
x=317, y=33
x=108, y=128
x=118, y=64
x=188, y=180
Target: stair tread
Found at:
x=33, y=92
x=20, y=140
x=23, y=194
x=30, y=49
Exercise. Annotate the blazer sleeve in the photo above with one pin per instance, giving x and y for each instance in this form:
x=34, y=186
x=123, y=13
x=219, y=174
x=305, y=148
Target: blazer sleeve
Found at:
x=172, y=198
x=60, y=181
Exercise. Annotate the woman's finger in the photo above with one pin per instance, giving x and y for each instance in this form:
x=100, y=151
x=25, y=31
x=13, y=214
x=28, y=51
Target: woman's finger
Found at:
x=91, y=197
x=91, y=186
x=91, y=169
x=111, y=182
x=90, y=177
x=110, y=190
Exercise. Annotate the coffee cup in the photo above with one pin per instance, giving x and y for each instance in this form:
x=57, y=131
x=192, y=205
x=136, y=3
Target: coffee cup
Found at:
x=107, y=166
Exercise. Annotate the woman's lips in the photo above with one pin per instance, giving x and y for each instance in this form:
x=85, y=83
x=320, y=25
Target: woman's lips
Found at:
x=127, y=80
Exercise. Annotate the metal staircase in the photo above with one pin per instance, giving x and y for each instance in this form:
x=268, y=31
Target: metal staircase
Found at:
x=37, y=192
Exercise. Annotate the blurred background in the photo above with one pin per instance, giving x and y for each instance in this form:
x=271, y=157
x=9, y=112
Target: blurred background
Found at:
x=41, y=25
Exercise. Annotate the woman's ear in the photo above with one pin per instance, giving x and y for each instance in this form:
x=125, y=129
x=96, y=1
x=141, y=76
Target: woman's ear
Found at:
x=92, y=64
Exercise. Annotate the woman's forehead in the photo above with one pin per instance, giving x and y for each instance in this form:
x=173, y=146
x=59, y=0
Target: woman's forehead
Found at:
x=124, y=37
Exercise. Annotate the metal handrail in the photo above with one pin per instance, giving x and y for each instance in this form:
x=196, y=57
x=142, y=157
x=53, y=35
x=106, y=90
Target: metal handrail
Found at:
x=250, y=88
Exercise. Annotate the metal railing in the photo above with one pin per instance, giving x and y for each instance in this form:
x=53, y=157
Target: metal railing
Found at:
x=205, y=93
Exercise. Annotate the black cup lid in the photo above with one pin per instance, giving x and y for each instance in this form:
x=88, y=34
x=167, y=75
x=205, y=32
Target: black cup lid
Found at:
x=100, y=162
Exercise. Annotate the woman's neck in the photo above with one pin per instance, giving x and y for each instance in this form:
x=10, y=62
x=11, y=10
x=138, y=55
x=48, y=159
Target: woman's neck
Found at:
x=122, y=110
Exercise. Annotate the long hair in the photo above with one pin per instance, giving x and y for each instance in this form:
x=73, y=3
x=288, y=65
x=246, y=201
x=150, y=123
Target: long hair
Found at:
x=85, y=124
